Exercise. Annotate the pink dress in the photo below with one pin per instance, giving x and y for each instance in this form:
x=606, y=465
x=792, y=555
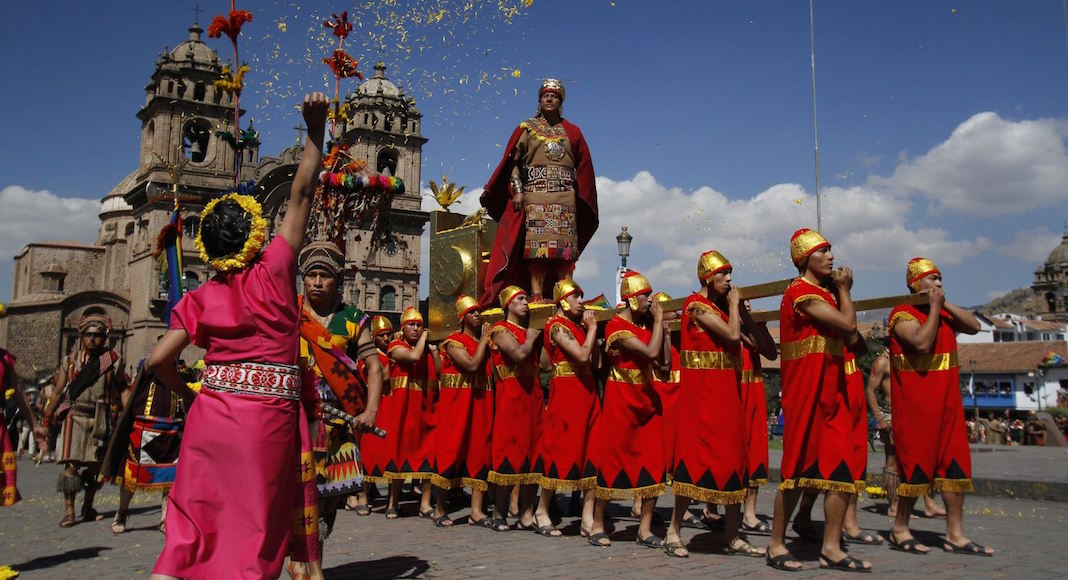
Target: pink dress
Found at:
x=230, y=510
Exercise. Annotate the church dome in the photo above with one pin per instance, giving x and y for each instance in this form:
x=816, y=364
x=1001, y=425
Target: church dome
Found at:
x=194, y=49
x=114, y=201
x=1059, y=255
x=379, y=84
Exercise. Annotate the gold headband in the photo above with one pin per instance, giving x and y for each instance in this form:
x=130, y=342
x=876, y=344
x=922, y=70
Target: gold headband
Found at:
x=380, y=324
x=918, y=269
x=465, y=304
x=804, y=242
x=633, y=284
x=508, y=294
x=410, y=314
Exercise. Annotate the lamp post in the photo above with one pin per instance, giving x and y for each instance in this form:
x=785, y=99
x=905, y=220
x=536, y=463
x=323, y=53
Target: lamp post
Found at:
x=623, y=240
x=975, y=397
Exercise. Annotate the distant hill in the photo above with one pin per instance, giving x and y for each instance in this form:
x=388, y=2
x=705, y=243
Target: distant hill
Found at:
x=1019, y=301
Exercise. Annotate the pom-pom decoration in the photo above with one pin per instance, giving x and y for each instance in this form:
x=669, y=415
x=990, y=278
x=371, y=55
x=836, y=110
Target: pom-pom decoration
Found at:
x=230, y=26
x=343, y=65
x=230, y=82
x=340, y=24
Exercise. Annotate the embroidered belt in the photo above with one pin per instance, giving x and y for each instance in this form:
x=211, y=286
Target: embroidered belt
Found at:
x=564, y=369
x=924, y=362
x=696, y=359
x=549, y=178
x=248, y=378
x=507, y=372
x=751, y=376
x=629, y=376
x=408, y=383
x=812, y=345
x=458, y=381
x=851, y=367
x=672, y=376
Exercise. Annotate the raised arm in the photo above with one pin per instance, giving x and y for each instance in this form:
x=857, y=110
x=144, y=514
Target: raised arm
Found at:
x=410, y=355
x=652, y=350
x=579, y=352
x=921, y=337
x=295, y=221
x=963, y=321
x=161, y=362
x=511, y=348
x=842, y=320
x=730, y=331
x=756, y=336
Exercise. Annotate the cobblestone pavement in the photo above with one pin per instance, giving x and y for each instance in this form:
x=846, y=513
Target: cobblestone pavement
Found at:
x=1028, y=535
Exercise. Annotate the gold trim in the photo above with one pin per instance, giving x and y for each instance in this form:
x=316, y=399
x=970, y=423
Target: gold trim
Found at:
x=861, y=485
x=403, y=475
x=411, y=385
x=474, y=484
x=629, y=376
x=617, y=336
x=512, y=478
x=752, y=376
x=942, y=484
x=813, y=345
x=706, y=495
x=507, y=372
x=820, y=484
x=851, y=366
x=758, y=482
x=913, y=489
x=445, y=483
x=900, y=316
x=648, y=491
x=460, y=381
x=568, y=484
x=924, y=363
x=705, y=360
x=564, y=369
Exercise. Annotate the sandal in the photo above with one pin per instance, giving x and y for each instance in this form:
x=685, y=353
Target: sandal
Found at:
x=118, y=526
x=429, y=514
x=673, y=549
x=442, y=522
x=650, y=542
x=970, y=549
x=549, y=530
x=760, y=528
x=362, y=510
x=392, y=513
x=909, y=546
x=296, y=575
x=846, y=564
x=91, y=515
x=780, y=562
x=484, y=522
x=601, y=540
x=67, y=521
x=163, y=527
x=863, y=537
x=807, y=533
x=713, y=523
x=743, y=549
x=498, y=525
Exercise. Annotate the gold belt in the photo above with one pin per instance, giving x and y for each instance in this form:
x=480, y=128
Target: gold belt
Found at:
x=507, y=372
x=812, y=345
x=696, y=359
x=850, y=367
x=460, y=381
x=407, y=383
x=564, y=369
x=751, y=376
x=629, y=376
x=924, y=362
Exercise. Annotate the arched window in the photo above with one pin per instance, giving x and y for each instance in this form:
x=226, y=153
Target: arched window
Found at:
x=199, y=91
x=387, y=162
x=129, y=229
x=195, y=136
x=190, y=226
x=388, y=300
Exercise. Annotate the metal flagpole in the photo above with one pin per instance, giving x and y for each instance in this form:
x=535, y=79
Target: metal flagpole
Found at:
x=815, y=120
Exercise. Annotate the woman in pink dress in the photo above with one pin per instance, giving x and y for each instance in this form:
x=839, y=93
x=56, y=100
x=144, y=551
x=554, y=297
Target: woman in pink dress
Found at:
x=228, y=515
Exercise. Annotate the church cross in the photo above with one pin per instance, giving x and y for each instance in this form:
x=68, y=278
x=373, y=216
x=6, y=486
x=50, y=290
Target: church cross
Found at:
x=300, y=133
x=196, y=12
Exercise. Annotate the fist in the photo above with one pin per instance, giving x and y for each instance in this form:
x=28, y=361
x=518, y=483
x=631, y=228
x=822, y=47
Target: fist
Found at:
x=589, y=320
x=843, y=278
x=732, y=296
x=486, y=328
x=658, y=312
x=936, y=297
x=314, y=109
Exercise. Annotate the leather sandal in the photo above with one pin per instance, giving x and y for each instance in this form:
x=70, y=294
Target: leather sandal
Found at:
x=118, y=526
x=744, y=549
x=846, y=564
x=676, y=549
x=67, y=521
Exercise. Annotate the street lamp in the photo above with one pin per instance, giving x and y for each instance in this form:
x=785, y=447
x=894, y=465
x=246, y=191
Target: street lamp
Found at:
x=623, y=241
x=975, y=397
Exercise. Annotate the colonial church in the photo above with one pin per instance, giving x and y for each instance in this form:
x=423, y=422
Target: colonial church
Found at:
x=58, y=282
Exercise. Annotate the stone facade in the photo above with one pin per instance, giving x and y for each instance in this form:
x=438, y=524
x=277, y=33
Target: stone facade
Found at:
x=1051, y=283
x=56, y=283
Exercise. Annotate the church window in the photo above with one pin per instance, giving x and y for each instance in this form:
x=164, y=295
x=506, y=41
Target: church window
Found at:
x=388, y=300
x=170, y=87
x=129, y=230
x=199, y=91
x=387, y=162
x=388, y=123
x=191, y=226
x=195, y=136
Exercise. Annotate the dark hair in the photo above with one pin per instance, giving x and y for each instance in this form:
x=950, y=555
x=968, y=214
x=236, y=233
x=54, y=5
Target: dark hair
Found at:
x=225, y=230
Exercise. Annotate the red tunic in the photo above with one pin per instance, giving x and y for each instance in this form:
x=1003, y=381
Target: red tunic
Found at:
x=507, y=253
x=818, y=429
x=413, y=389
x=858, y=411
x=929, y=431
x=755, y=403
x=9, y=493
x=667, y=387
x=517, y=404
x=710, y=440
x=566, y=422
x=623, y=453
x=464, y=420
x=375, y=452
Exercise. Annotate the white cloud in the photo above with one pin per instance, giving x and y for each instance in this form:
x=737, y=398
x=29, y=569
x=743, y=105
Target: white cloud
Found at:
x=1031, y=245
x=990, y=166
x=33, y=216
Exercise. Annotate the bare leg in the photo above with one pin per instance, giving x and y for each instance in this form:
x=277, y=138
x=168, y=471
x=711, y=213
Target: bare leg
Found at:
x=850, y=523
x=785, y=501
x=527, y=493
x=749, y=517
x=931, y=509
x=118, y=525
x=589, y=499
x=441, y=511
x=834, y=508
x=513, y=501
x=541, y=515
x=645, y=526
x=901, y=532
x=732, y=515
x=427, y=492
x=598, y=521
x=682, y=507
x=477, y=514
x=636, y=508
x=394, y=495
x=500, y=505
x=955, y=520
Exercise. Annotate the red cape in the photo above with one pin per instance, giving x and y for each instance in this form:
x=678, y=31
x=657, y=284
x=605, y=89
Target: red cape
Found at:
x=508, y=246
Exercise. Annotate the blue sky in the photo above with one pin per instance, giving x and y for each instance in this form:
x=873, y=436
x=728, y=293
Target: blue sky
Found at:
x=942, y=124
